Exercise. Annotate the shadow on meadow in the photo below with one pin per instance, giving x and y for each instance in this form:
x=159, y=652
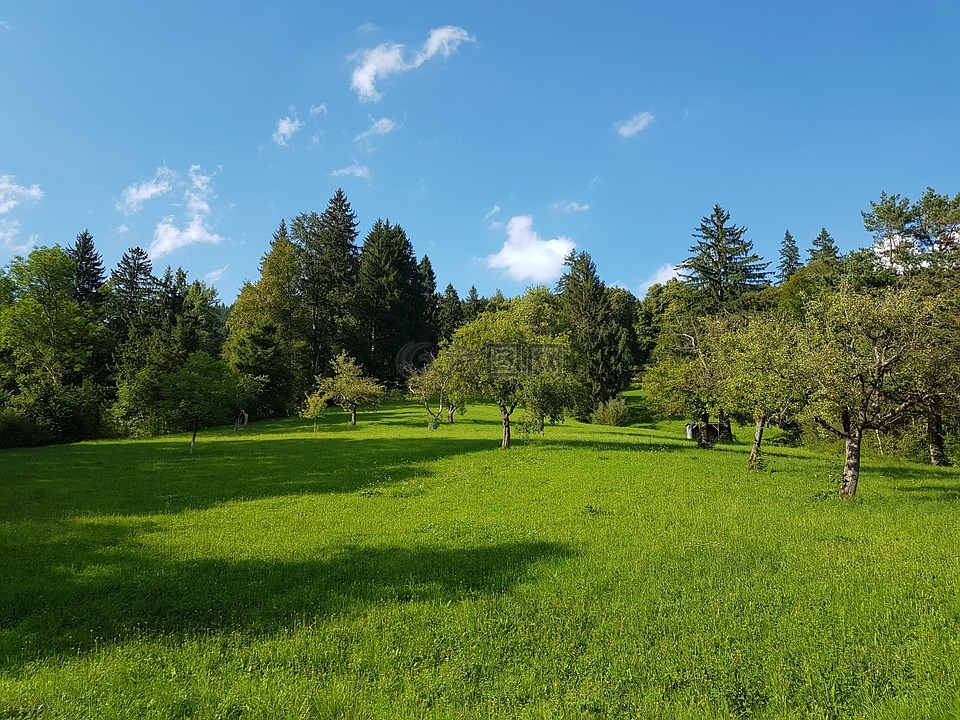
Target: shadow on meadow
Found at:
x=137, y=478
x=88, y=588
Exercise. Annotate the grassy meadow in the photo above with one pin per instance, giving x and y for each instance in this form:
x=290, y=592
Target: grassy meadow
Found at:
x=389, y=571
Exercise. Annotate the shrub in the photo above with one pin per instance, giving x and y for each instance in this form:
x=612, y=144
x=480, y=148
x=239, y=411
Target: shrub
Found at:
x=613, y=412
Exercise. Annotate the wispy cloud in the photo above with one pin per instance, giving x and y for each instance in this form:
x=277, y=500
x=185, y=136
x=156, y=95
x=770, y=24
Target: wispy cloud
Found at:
x=4, y=24
x=287, y=127
x=382, y=126
x=570, y=207
x=215, y=275
x=493, y=211
x=663, y=274
x=392, y=59
x=169, y=236
x=137, y=194
x=320, y=109
x=12, y=193
x=367, y=27
x=356, y=170
x=526, y=256
x=122, y=229
x=629, y=128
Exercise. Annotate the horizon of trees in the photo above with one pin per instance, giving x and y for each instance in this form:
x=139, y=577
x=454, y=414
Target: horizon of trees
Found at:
x=85, y=353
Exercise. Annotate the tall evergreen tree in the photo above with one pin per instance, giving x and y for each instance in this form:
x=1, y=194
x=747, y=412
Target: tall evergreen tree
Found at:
x=268, y=329
x=473, y=305
x=450, y=315
x=133, y=282
x=824, y=249
x=789, y=258
x=723, y=265
x=89, y=275
x=430, y=321
x=390, y=302
x=600, y=356
x=328, y=276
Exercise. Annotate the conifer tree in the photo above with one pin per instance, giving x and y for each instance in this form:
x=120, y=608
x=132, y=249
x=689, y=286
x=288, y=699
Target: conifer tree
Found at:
x=723, y=265
x=789, y=258
x=450, y=315
x=328, y=276
x=600, y=357
x=824, y=249
x=89, y=276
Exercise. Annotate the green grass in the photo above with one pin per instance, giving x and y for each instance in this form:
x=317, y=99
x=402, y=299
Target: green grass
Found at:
x=390, y=571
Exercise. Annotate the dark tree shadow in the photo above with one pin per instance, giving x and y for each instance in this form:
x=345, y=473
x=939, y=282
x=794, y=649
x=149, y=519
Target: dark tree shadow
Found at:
x=137, y=478
x=89, y=588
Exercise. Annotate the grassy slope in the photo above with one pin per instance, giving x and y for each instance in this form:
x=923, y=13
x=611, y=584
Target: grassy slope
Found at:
x=389, y=571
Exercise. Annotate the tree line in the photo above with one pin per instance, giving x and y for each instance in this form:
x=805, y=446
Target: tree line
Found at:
x=85, y=354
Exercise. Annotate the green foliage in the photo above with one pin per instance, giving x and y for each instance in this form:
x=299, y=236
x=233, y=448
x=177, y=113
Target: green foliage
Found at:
x=600, y=356
x=824, y=249
x=789, y=258
x=722, y=266
x=614, y=412
x=200, y=394
x=348, y=388
x=392, y=303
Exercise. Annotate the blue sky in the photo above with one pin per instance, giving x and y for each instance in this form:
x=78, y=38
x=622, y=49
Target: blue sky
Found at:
x=498, y=134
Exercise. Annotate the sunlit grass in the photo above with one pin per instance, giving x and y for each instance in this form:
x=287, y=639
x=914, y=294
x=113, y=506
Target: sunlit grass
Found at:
x=391, y=571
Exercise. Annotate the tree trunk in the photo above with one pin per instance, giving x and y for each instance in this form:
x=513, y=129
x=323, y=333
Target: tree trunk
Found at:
x=505, y=416
x=755, y=460
x=703, y=426
x=851, y=463
x=353, y=415
x=193, y=440
x=936, y=441
x=450, y=411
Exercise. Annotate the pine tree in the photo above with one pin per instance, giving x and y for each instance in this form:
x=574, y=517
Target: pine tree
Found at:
x=328, y=275
x=89, y=275
x=390, y=298
x=600, y=358
x=133, y=282
x=723, y=266
x=430, y=321
x=789, y=258
x=824, y=249
x=473, y=305
x=450, y=312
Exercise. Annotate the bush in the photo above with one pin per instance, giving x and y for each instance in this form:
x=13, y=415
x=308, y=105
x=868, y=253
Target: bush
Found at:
x=613, y=412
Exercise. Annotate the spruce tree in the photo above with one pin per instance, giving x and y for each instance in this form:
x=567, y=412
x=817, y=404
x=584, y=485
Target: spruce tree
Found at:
x=599, y=346
x=133, y=282
x=89, y=276
x=789, y=258
x=473, y=305
x=450, y=312
x=824, y=249
x=390, y=298
x=328, y=275
x=723, y=265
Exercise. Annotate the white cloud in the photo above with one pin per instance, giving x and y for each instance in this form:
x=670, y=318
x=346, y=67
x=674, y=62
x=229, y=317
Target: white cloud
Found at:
x=214, y=275
x=570, y=207
x=525, y=256
x=122, y=229
x=493, y=211
x=379, y=127
x=287, y=128
x=12, y=194
x=367, y=27
x=390, y=59
x=663, y=274
x=4, y=24
x=629, y=128
x=355, y=170
x=168, y=237
x=136, y=195
x=320, y=109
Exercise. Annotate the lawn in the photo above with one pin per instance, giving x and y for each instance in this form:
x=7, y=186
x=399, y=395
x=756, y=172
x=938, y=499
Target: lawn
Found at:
x=391, y=571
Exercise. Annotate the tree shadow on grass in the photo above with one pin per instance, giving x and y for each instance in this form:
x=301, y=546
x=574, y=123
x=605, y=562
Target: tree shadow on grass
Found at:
x=91, y=589
x=138, y=478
